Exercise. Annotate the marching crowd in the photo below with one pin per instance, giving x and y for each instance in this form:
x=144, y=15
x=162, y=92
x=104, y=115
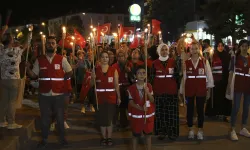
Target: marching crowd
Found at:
x=136, y=88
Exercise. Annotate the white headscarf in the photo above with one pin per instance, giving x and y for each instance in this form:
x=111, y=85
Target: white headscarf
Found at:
x=159, y=52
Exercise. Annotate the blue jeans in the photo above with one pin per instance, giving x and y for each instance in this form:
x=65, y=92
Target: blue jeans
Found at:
x=236, y=107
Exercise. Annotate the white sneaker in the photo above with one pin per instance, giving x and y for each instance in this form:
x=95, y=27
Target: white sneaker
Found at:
x=191, y=134
x=52, y=126
x=92, y=109
x=14, y=126
x=200, y=135
x=245, y=132
x=233, y=136
x=66, y=126
x=3, y=124
x=83, y=110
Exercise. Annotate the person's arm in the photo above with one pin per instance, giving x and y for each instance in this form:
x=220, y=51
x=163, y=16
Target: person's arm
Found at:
x=33, y=74
x=132, y=103
x=117, y=87
x=67, y=68
x=149, y=93
x=210, y=79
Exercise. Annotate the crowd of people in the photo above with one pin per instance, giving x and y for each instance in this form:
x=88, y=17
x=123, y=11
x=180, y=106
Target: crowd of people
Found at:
x=132, y=88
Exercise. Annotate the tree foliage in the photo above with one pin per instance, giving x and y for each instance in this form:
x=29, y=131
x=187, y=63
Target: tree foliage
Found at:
x=75, y=22
x=221, y=18
x=173, y=14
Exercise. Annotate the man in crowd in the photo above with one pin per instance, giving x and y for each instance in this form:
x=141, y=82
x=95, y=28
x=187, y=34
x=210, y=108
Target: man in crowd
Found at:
x=52, y=71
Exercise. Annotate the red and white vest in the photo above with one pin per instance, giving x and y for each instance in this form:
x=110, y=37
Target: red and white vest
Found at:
x=105, y=87
x=138, y=115
x=51, y=75
x=242, y=76
x=164, y=81
x=217, y=67
x=195, y=84
x=123, y=76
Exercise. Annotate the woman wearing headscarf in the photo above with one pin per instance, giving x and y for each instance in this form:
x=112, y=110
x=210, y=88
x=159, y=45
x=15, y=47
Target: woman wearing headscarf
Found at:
x=163, y=78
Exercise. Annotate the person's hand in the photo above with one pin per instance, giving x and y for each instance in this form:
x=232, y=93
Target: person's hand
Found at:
x=119, y=101
x=93, y=76
x=28, y=65
x=146, y=89
x=127, y=69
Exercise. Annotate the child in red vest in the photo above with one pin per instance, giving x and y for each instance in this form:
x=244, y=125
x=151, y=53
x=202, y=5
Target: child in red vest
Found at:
x=141, y=110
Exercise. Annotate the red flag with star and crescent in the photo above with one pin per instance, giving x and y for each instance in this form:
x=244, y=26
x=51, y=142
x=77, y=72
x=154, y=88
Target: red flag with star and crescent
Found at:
x=128, y=31
x=78, y=37
x=105, y=28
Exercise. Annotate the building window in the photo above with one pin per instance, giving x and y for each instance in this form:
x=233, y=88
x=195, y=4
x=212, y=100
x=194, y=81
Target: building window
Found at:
x=119, y=18
x=106, y=19
x=99, y=17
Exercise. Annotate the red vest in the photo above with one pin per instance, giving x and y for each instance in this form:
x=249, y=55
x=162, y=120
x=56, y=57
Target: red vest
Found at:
x=51, y=75
x=164, y=81
x=217, y=67
x=195, y=84
x=242, y=76
x=105, y=87
x=136, y=116
x=123, y=76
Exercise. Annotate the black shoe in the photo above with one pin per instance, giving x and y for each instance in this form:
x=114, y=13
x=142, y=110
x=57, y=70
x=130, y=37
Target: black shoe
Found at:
x=172, y=138
x=43, y=144
x=161, y=137
x=64, y=142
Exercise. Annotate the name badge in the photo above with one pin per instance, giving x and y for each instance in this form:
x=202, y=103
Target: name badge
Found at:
x=110, y=79
x=201, y=71
x=43, y=68
x=190, y=68
x=97, y=80
x=171, y=70
x=57, y=66
x=158, y=71
x=147, y=104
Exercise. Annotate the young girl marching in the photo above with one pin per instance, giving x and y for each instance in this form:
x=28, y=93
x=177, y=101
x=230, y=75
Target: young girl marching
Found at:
x=197, y=81
x=241, y=68
x=141, y=110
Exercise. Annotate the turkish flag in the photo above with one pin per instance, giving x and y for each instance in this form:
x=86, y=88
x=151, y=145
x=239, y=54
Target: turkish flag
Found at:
x=105, y=28
x=156, y=26
x=128, y=31
x=79, y=40
x=85, y=86
x=136, y=42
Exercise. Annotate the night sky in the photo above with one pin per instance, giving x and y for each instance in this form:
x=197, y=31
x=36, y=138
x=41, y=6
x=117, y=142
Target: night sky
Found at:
x=23, y=11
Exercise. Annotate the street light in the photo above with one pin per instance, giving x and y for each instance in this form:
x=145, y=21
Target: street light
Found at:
x=17, y=30
x=43, y=24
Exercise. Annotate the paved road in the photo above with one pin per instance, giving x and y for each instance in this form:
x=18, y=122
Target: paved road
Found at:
x=83, y=135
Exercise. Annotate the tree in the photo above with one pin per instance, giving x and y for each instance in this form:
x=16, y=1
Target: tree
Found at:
x=173, y=14
x=227, y=18
x=75, y=22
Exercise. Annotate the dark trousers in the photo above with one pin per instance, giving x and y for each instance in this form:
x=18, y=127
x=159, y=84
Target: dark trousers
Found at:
x=200, y=102
x=221, y=105
x=49, y=105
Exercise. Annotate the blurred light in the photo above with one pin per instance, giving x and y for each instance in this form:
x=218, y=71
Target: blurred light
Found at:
x=43, y=24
